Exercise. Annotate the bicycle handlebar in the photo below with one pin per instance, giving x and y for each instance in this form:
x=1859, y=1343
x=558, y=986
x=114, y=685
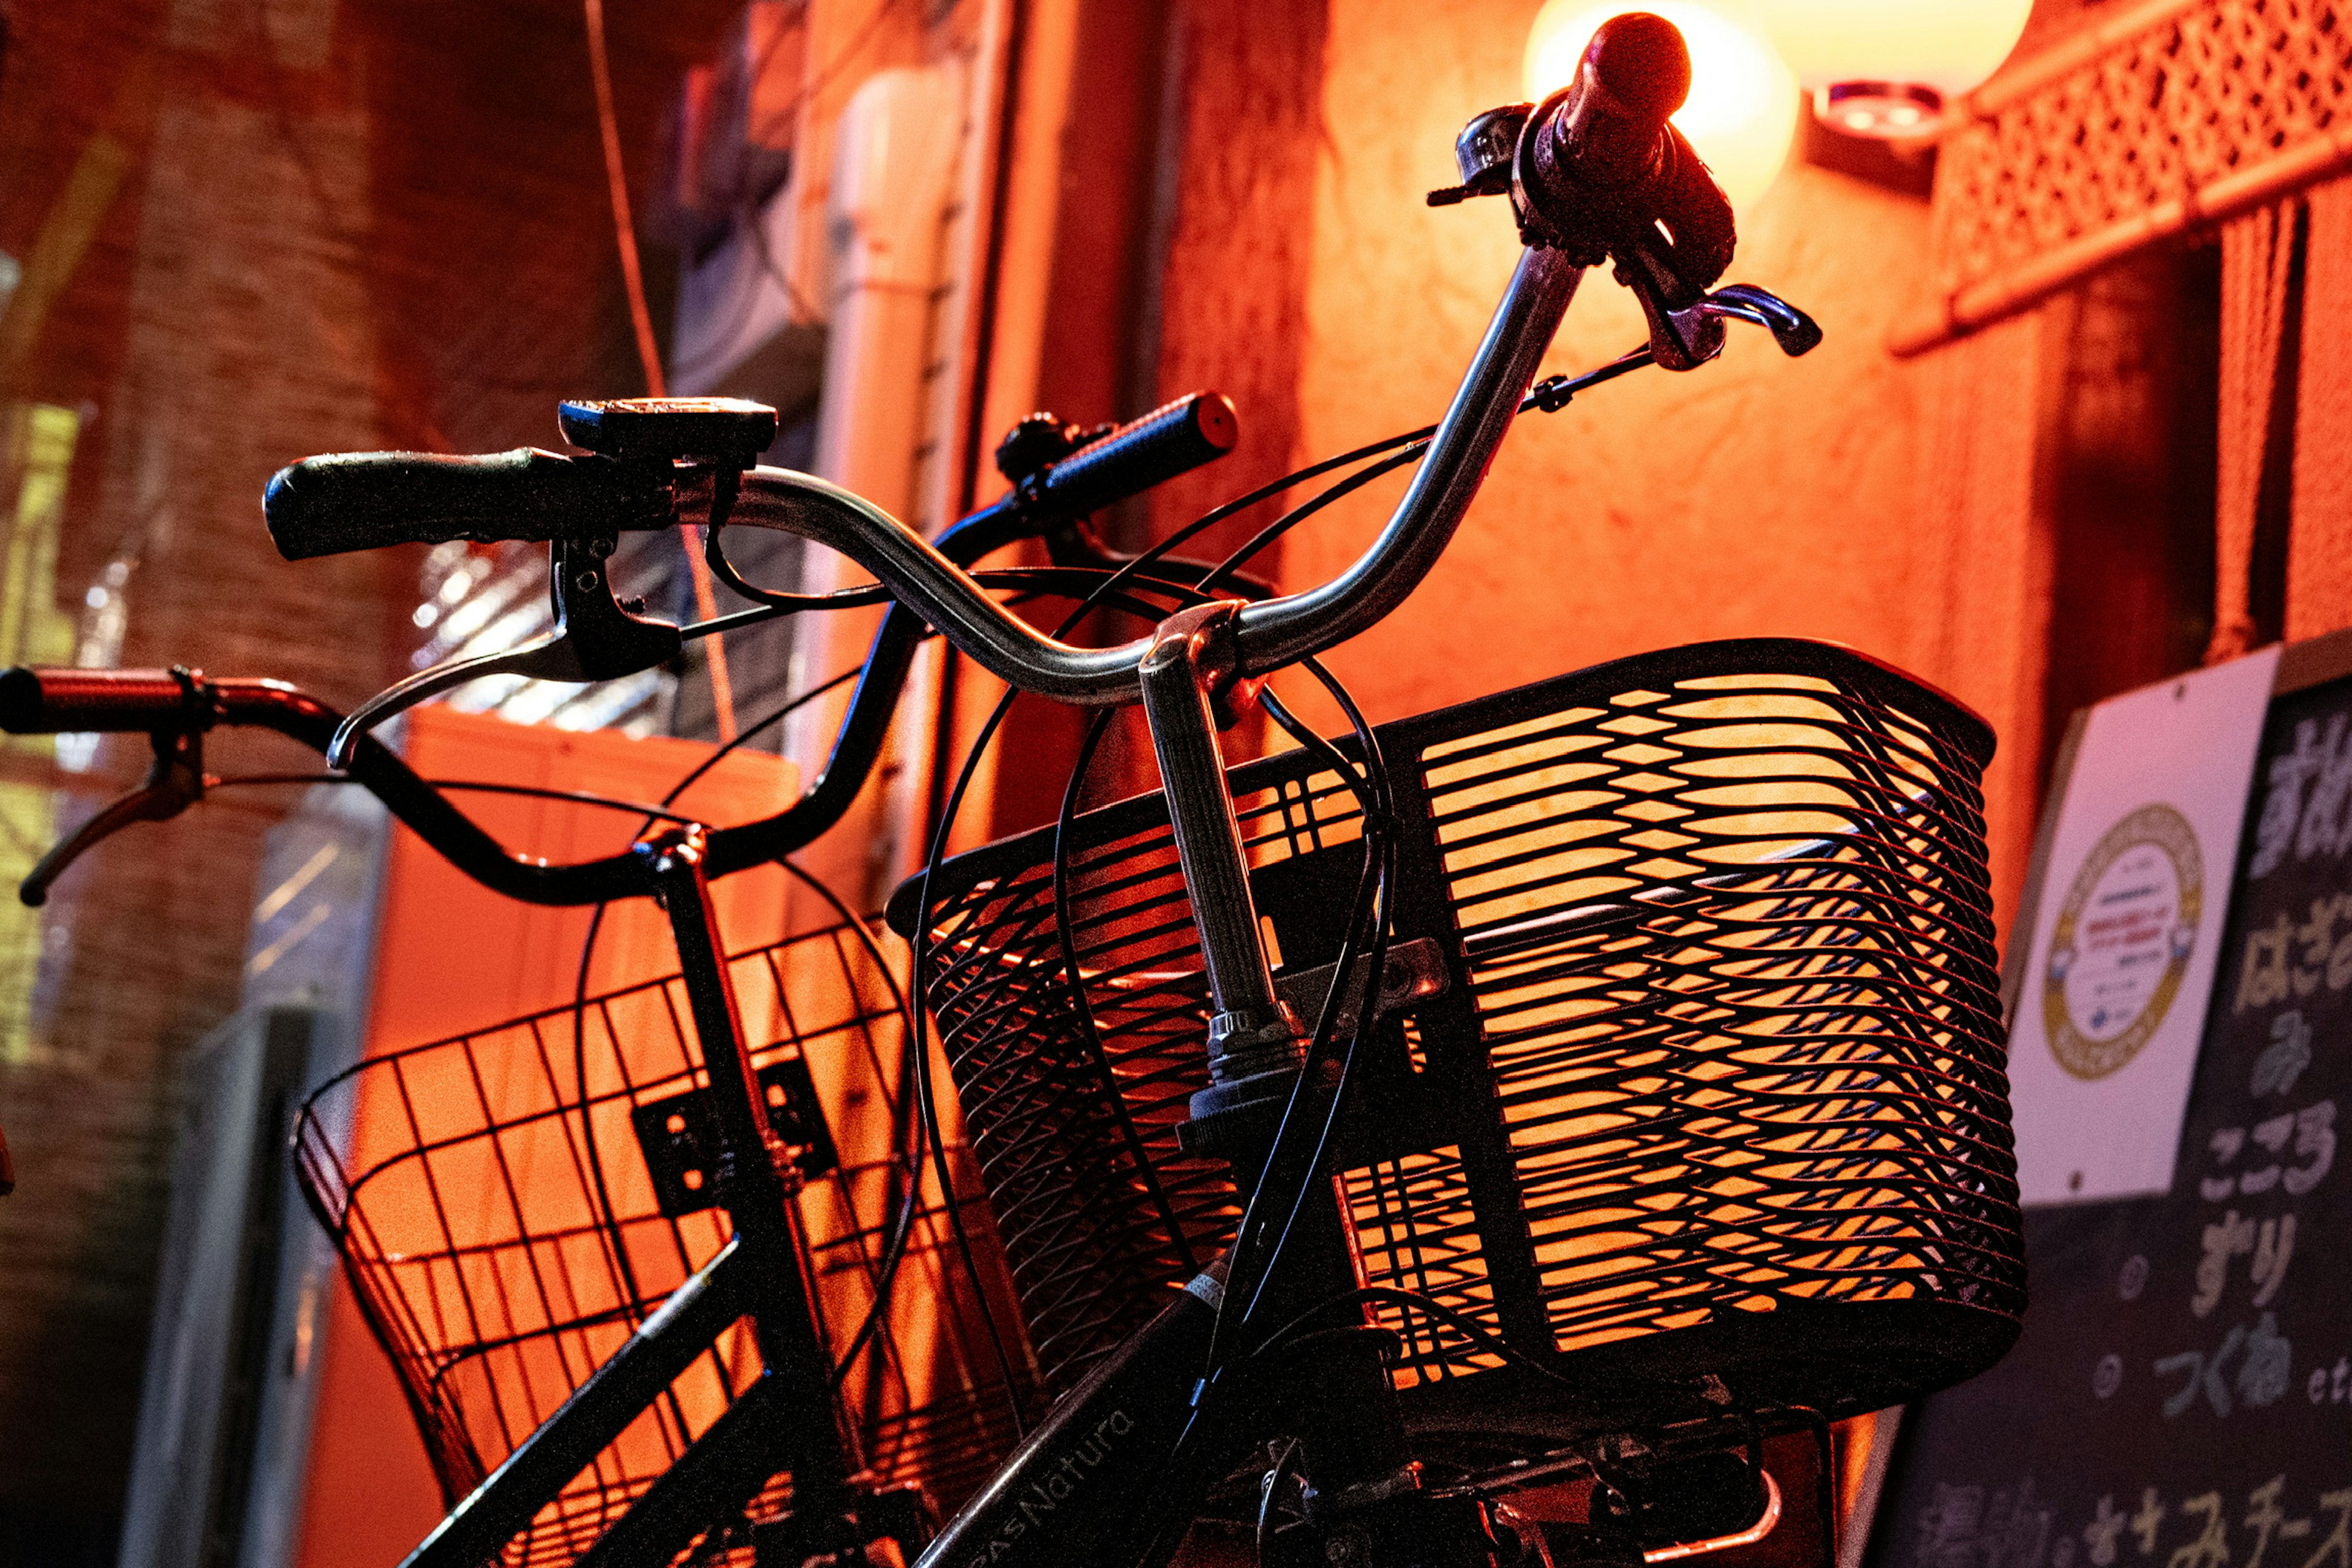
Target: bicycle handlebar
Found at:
x=52, y=701
x=1593, y=136
x=47, y=702
x=1600, y=172
x=364, y=500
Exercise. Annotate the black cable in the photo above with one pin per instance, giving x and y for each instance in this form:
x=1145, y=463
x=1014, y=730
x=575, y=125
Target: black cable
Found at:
x=715, y=553
x=1064, y=931
x=1047, y=578
x=1250, y=1271
x=1380, y=843
x=749, y=216
x=1102, y=593
x=1410, y=448
x=1548, y=395
x=1274, y=1479
x=1374, y=897
x=910, y=1206
x=1252, y=1262
x=920, y=946
x=1411, y=453
x=611, y=1227
x=465, y=787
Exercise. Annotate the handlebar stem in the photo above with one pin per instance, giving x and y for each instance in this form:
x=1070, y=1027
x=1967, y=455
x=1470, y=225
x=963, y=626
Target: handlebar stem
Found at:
x=1268, y=635
x=1251, y=1029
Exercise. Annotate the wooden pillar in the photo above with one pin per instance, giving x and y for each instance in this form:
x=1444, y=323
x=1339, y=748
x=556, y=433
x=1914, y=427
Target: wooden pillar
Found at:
x=2319, y=551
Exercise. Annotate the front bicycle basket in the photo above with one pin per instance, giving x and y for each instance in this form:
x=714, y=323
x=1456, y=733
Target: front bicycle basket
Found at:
x=504, y=1239
x=1709, y=1115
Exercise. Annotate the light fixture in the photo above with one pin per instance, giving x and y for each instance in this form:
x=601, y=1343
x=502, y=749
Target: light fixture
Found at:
x=1891, y=68
x=1742, y=111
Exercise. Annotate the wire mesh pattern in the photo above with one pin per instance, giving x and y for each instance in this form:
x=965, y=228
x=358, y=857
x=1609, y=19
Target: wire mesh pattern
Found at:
x=504, y=1239
x=1714, y=1099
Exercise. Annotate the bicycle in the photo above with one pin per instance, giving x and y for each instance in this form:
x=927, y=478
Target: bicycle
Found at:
x=1806, y=1001
x=1064, y=472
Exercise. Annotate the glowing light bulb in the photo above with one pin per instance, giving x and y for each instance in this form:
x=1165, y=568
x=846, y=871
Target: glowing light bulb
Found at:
x=1742, y=112
x=1892, y=67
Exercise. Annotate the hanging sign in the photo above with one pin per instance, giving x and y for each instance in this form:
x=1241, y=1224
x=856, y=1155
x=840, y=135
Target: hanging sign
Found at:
x=2181, y=1395
x=2127, y=931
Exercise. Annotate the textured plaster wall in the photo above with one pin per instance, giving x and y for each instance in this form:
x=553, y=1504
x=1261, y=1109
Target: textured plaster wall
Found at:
x=1757, y=495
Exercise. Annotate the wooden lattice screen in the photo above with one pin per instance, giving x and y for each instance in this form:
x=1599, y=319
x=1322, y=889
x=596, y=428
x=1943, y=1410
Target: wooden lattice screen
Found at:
x=2168, y=116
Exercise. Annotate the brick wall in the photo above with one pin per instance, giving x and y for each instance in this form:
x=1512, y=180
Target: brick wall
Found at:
x=336, y=227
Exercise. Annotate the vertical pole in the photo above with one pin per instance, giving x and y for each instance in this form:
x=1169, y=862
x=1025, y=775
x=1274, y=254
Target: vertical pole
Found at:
x=750, y=1169
x=1253, y=1036
x=1256, y=1054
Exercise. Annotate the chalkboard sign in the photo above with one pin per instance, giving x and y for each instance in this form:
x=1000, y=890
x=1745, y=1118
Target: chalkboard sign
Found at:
x=2182, y=1396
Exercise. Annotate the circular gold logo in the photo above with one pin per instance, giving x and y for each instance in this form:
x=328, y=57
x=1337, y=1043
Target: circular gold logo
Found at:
x=2123, y=942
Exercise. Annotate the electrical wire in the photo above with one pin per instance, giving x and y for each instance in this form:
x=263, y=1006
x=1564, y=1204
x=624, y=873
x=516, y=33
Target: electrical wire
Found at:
x=1134, y=567
x=640, y=323
x=920, y=944
x=1082, y=1004
x=1254, y=1262
x=747, y=216
x=1376, y=800
x=916, y=1056
x=1550, y=396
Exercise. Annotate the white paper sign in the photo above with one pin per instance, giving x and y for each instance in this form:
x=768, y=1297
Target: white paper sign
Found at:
x=2127, y=933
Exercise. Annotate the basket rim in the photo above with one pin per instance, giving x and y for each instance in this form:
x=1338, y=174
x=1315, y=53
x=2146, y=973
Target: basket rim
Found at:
x=958, y=874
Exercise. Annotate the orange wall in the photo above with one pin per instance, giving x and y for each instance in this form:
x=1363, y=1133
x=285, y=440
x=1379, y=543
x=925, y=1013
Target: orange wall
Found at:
x=1756, y=495
x=452, y=957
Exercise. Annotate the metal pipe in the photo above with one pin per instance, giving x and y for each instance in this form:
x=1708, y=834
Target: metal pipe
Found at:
x=1246, y=1011
x=1755, y=1532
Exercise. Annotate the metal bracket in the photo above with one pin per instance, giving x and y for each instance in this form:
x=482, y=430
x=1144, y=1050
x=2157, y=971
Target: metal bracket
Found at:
x=679, y=1136
x=1415, y=971
x=1206, y=632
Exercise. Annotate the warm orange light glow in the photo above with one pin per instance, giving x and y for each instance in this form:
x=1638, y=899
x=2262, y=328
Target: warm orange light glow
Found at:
x=1742, y=112
x=1948, y=46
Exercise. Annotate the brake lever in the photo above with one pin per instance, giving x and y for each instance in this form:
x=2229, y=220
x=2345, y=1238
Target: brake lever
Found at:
x=175, y=781
x=1685, y=339
x=595, y=639
x=1795, y=331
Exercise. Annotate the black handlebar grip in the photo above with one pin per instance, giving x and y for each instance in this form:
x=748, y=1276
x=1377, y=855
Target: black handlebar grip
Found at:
x=1162, y=444
x=365, y=500
x=1610, y=125
x=47, y=701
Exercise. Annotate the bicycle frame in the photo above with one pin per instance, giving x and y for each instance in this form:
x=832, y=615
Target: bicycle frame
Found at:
x=787, y=1418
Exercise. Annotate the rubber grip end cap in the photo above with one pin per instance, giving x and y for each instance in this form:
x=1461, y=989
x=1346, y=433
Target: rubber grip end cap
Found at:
x=1214, y=418
x=20, y=702
x=283, y=501
x=1640, y=59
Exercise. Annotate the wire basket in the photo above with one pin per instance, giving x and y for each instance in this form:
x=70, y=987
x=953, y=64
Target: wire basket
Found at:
x=503, y=1241
x=1710, y=1113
